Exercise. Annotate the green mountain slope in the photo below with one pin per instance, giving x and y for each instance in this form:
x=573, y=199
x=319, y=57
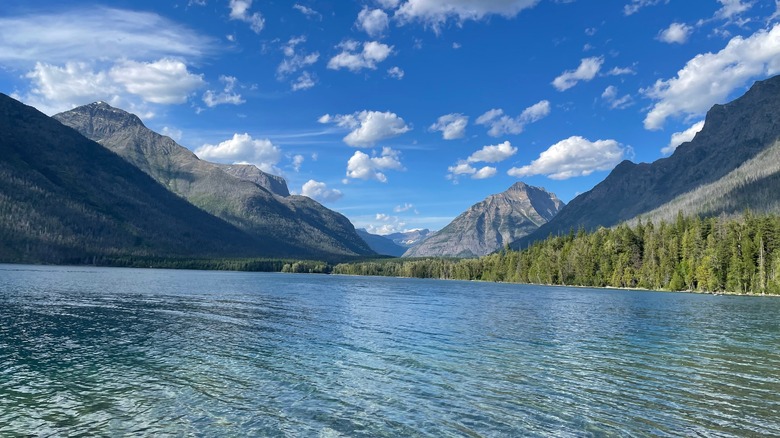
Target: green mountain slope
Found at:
x=248, y=198
x=733, y=135
x=66, y=199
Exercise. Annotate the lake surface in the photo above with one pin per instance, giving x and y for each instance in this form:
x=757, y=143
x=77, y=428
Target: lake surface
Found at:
x=100, y=351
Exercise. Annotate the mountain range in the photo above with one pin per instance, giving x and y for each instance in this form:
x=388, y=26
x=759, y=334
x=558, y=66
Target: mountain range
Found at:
x=729, y=166
x=258, y=203
x=490, y=224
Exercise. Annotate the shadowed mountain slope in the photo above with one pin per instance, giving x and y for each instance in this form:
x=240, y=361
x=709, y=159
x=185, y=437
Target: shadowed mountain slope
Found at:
x=733, y=135
x=243, y=195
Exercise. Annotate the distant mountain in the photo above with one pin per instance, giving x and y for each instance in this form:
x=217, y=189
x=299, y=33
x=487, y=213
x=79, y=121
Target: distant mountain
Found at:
x=729, y=166
x=67, y=199
x=381, y=244
x=489, y=225
x=243, y=195
x=408, y=239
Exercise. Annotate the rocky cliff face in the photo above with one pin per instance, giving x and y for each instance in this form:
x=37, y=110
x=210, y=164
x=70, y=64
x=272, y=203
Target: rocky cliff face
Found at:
x=243, y=195
x=733, y=134
x=489, y=225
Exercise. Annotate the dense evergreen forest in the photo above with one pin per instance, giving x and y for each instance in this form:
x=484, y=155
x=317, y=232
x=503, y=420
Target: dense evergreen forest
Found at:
x=717, y=254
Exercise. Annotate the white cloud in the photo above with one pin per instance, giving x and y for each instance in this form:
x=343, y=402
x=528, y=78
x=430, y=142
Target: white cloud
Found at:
x=166, y=81
x=374, y=22
x=493, y=154
x=56, y=88
x=297, y=162
x=403, y=208
x=610, y=95
x=574, y=156
x=239, y=10
x=389, y=4
x=676, y=33
x=452, y=126
x=93, y=34
x=636, y=5
x=679, y=138
x=243, y=149
x=293, y=60
x=368, y=127
x=501, y=124
x=307, y=11
x=227, y=96
x=464, y=168
x=372, y=53
x=363, y=166
x=731, y=8
x=711, y=77
x=396, y=73
x=305, y=81
x=319, y=191
x=485, y=172
x=173, y=133
x=436, y=12
x=617, y=71
x=588, y=69
x=387, y=225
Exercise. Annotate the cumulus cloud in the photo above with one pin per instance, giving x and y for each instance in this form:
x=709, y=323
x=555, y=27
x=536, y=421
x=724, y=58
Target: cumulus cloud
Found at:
x=436, y=12
x=387, y=225
x=501, y=124
x=374, y=22
x=610, y=96
x=363, y=166
x=574, y=156
x=305, y=81
x=243, y=149
x=452, y=126
x=493, y=154
x=319, y=191
x=710, y=78
x=351, y=58
x=396, y=73
x=588, y=69
x=239, y=10
x=368, y=127
x=297, y=162
x=679, y=138
x=731, y=8
x=676, y=33
x=165, y=81
x=95, y=33
x=226, y=96
x=464, y=168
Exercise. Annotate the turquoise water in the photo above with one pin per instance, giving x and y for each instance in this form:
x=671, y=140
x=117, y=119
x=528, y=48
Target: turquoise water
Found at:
x=96, y=351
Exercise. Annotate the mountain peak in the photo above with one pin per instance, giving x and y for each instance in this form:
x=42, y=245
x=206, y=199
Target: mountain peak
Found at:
x=490, y=224
x=99, y=119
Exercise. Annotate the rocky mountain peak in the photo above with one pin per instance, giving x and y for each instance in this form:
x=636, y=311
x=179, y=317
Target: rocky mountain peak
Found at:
x=99, y=119
x=490, y=224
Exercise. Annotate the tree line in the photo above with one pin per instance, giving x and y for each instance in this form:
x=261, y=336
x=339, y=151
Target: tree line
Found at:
x=716, y=254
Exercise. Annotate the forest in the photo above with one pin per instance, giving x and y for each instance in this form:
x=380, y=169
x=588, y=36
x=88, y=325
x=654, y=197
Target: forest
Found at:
x=716, y=254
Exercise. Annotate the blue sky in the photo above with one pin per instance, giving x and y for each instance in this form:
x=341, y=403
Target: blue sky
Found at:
x=400, y=114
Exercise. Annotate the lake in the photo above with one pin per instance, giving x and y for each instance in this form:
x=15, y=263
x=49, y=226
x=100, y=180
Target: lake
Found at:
x=103, y=351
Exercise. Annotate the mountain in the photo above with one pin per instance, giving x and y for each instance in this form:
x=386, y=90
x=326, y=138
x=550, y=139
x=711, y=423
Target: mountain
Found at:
x=489, y=225
x=67, y=199
x=381, y=244
x=242, y=195
x=408, y=239
x=726, y=168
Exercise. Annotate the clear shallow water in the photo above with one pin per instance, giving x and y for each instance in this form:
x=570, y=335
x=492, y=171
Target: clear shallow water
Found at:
x=149, y=352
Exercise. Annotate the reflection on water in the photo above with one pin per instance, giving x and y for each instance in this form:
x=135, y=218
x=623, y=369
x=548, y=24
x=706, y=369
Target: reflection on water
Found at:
x=152, y=352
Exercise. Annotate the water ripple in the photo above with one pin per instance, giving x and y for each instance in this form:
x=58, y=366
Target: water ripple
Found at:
x=105, y=352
